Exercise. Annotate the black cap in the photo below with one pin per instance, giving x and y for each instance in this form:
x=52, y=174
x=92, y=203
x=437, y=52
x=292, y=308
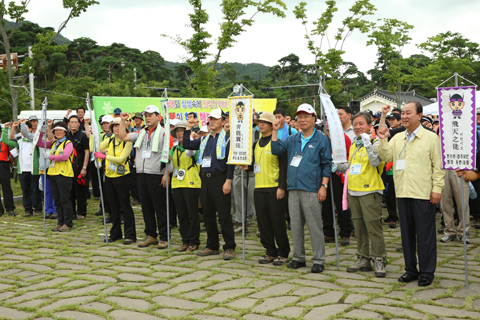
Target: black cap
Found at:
x=394, y=115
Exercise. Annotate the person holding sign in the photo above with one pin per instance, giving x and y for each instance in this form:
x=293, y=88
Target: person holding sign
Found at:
x=365, y=188
x=117, y=178
x=310, y=163
x=150, y=171
x=419, y=180
x=216, y=178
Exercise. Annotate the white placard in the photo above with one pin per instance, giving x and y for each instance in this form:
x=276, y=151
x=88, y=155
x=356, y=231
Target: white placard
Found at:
x=241, y=113
x=339, y=151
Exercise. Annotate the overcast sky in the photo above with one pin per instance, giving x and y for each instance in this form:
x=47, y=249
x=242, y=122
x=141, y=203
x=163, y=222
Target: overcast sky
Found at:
x=138, y=24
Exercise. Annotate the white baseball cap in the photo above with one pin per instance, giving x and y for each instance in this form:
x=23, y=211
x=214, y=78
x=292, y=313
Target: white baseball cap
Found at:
x=217, y=114
x=107, y=118
x=174, y=122
x=305, y=107
x=204, y=129
x=151, y=109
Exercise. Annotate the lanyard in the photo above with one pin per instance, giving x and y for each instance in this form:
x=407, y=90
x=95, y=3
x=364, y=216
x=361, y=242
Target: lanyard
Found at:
x=178, y=156
x=313, y=135
x=262, y=150
x=406, y=141
x=115, y=147
x=75, y=138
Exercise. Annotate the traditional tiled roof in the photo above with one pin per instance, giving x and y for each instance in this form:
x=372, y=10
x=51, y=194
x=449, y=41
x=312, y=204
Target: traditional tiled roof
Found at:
x=405, y=96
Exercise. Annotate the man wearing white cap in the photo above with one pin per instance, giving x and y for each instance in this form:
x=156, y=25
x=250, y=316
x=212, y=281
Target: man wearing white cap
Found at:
x=216, y=178
x=150, y=170
x=310, y=163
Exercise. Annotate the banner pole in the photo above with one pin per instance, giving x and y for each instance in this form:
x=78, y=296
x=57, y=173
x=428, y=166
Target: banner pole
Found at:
x=44, y=116
x=243, y=218
x=334, y=224
x=165, y=115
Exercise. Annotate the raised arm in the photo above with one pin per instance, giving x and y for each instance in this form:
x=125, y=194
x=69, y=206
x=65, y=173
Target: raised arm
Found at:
x=5, y=139
x=122, y=134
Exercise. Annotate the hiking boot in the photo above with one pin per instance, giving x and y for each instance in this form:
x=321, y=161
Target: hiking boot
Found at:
x=192, y=247
x=149, y=240
x=477, y=223
x=453, y=237
x=11, y=213
x=56, y=228
x=229, y=254
x=258, y=232
x=266, y=259
x=183, y=248
x=345, y=241
x=294, y=264
x=37, y=213
x=392, y=224
x=362, y=264
x=54, y=216
x=162, y=245
x=280, y=261
x=441, y=230
x=27, y=214
x=379, y=267
x=64, y=228
x=207, y=252
x=467, y=240
x=239, y=229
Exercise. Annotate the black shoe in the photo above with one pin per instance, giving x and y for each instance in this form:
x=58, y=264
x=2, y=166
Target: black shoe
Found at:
x=108, y=219
x=98, y=213
x=54, y=216
x=399, y=249
x=47, y=216
x=407, y=277
x=11, y=213
x=74, y=217
x=317, y=268
x=424, y=281
x=440, y=231
x=294, y=264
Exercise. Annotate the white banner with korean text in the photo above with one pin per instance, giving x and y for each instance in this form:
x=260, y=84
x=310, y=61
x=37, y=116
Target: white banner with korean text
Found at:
x=241, y=126
x=337, y=138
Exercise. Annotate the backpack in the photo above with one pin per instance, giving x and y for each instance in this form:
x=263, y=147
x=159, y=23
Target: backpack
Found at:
x=124, y=143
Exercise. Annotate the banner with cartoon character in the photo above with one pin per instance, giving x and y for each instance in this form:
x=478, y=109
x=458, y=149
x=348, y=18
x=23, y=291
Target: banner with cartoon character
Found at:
x=457, y=127
x=339, y=150
x=241, y=127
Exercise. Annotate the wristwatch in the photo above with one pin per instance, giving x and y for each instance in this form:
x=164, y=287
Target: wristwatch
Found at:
x=84, y=168
x=325, y=185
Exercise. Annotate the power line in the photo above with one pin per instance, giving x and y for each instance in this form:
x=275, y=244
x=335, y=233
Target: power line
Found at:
x=62, y=94
x=298, y=98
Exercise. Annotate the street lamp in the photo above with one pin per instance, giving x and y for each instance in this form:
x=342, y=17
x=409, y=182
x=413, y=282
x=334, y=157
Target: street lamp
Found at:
x=109, y=68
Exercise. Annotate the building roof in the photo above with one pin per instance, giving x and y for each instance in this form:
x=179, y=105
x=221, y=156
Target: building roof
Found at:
x=405, y=96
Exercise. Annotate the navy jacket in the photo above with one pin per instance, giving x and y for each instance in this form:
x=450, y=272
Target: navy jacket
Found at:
x=316, y=161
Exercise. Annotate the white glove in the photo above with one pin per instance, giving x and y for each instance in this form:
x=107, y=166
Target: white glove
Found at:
x=46, y=155
x=365, y=139
x=334, y=167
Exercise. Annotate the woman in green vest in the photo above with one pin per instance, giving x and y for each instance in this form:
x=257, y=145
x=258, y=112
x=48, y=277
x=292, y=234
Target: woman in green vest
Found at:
x=186, y=185
x=117, y=180
x=365, y=189
x=60, y=173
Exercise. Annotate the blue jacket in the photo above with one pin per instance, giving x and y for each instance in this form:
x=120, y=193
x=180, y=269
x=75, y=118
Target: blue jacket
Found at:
x=316, y=161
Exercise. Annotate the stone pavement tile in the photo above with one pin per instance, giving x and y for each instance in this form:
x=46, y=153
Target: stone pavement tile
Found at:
x=33, y=278
x=187, y=286
x=72, y=266
x=134, y=277
x=387, y=301
x=179, y=303
x=352, y=298
x=227, y=294
x=191, y=276
x=220, y=277
x=396, y=294
x=109, y=253
x=63, y=272
x=157, y=287
x=210, y=317
x=473, y=289
x=292, y=312
x=358, y=283
x=103, y=307
x=261, y=283
x=224, y=311
x=242, y=303
x=197, y=294
x=209, y=263
x=230, y=284
x=111, y=289
x=441, y=311
x=451, y=302
x=241, y=272
x=105, y=258
x=322, y=313
x=66, y=302
x=32, y=294
x=31, y=303
x=449, y=270
x=447, y=283
x=307, y=291
x=163, y=274
x=75, y=315
x=257, y=317
x=80, y=291
x=135, y=293
x=328, y=297
x=4, y=286
x=343, y=274
x=131, y=315
x=6, y=295
x=15, y=257
x=363, y=314
x=137, y=264
x=36, y=267
x=278, y=271
x=131, y=269
x=274, y=303
x=97, y=277
x=75, y=283
x=318, y=284
x=10, y=313
x=172, y=313
x=165, y=267
x=7, y=272
x=395, y=310
x=45, y=284
x=316, y=276
x=130, y=303
x=45, y=261
x=275, y=290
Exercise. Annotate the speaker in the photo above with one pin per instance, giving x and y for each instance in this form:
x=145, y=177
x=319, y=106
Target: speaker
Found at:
x=355, y=105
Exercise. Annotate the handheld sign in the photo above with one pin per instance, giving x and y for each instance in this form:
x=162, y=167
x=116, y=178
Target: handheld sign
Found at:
x=336, y=130
x=241, y=118
x=457, y=127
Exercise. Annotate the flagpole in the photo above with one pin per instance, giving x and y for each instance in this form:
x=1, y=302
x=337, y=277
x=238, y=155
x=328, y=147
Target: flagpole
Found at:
x=44, y=116
x=166, y=116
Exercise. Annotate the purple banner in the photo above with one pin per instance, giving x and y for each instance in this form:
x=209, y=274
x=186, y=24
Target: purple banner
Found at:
x=457, y=127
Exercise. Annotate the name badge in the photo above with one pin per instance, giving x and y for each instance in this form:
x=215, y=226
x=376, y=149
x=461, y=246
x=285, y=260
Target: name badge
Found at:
x=355, y=168
x=146, y=154
x=112, y=166
x=206, y=162
x=296, y=161
x=400, y=164
x=256, y=168
x=14, y=152
x=52, y=164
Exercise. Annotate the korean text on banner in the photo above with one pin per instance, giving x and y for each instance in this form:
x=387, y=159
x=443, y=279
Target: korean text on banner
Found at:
x=336, y=130
x=241, y=114
x=457, y=127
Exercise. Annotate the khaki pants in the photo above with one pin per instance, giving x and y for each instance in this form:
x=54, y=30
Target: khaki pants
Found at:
x=367, y=220
x=452, y=186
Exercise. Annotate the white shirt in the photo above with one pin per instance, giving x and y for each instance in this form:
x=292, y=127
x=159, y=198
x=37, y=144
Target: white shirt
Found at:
x=350, y=133
x=414, y=133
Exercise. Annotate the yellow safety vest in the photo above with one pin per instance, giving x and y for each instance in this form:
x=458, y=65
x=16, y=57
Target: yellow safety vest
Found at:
x=369, y=178
x=63, y=168
x=269, y=167
x=191, y=178
x=116, y=150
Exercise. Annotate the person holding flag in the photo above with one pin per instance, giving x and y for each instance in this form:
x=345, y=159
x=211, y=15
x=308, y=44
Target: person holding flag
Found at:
x=150, y=170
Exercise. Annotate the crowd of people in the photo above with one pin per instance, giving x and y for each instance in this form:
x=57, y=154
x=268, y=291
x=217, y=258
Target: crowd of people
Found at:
x=393, y=161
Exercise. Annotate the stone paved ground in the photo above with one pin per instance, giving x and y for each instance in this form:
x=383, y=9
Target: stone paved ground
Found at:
x=77, y=276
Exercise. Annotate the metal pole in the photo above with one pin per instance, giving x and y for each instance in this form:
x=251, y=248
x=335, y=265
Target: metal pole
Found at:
x=101, y=201
x=166, y=179
x=243, y=200
x=135, y=79
x=31, y=82
x=335, y=224
x=463, y=215
x=44, y=171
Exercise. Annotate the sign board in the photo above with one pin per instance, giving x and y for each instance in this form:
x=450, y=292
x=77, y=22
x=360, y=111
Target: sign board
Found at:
x=457, y=127
x=339, y=150
x=241, y=127
x=3, y=61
